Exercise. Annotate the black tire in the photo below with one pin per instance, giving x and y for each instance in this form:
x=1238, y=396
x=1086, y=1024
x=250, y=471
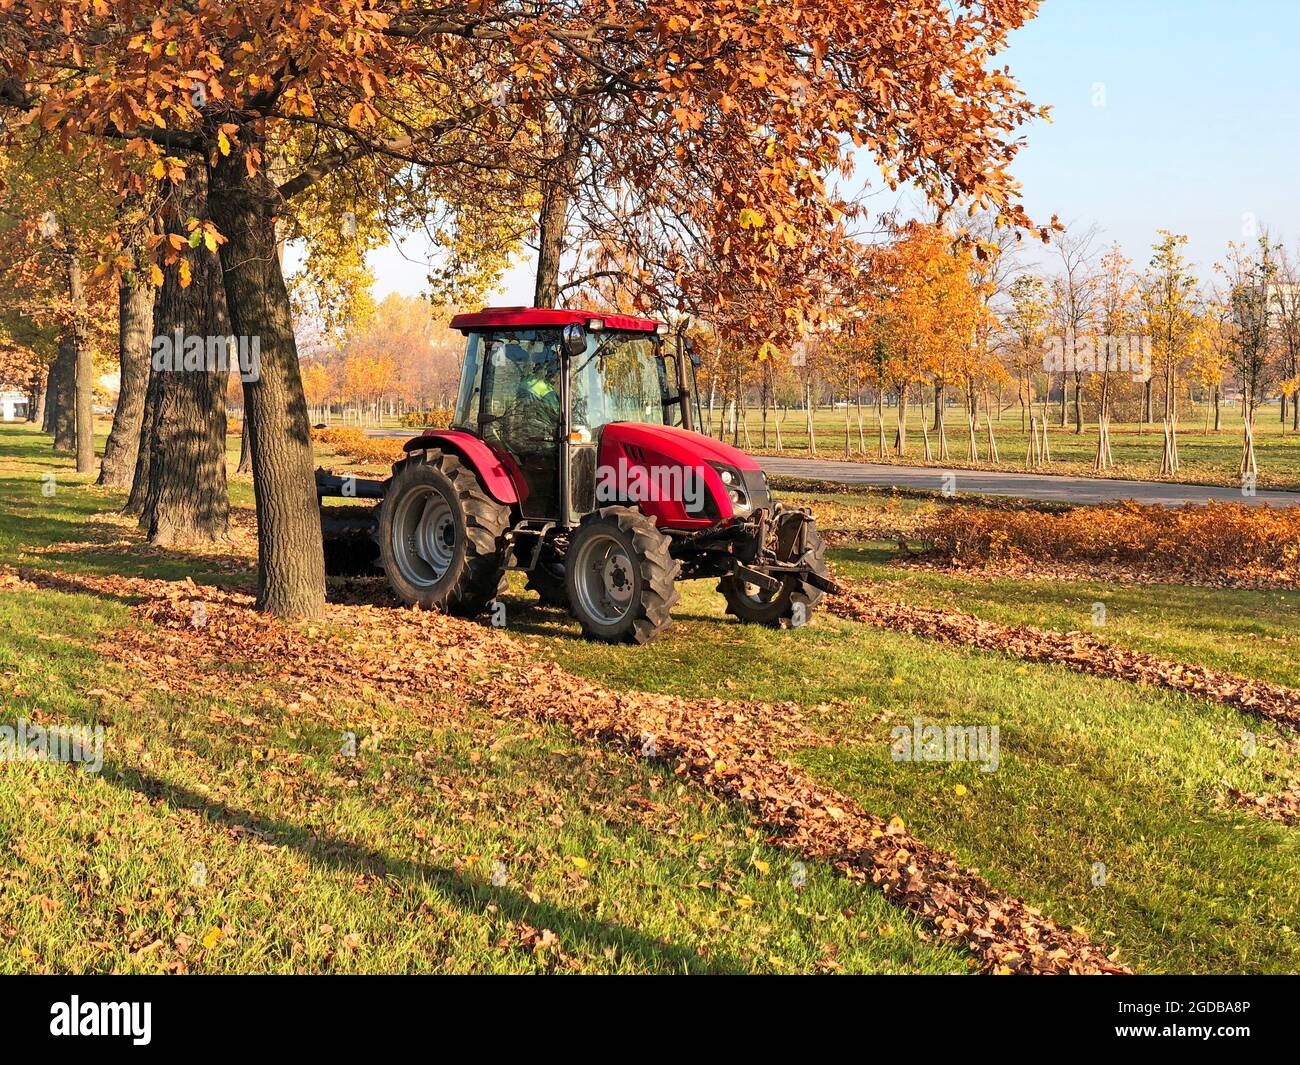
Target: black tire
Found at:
x=777, y=610
x=619, y=559
x=463, y=536
x=548, y=581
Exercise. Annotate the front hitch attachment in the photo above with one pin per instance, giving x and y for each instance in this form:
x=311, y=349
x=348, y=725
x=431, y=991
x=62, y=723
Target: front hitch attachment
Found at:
x=757, y=577
x=819, y=580
x=792, y=549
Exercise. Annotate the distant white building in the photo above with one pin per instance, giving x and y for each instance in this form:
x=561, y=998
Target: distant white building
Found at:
x=13, y=406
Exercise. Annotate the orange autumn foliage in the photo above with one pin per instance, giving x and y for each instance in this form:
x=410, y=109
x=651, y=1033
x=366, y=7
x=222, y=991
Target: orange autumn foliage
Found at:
x=1218, y=543
x=356, y=445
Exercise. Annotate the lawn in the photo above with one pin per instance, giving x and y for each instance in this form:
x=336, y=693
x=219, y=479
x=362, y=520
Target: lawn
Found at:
x=233, y=835
x=1246, y=631
x=1091, y=771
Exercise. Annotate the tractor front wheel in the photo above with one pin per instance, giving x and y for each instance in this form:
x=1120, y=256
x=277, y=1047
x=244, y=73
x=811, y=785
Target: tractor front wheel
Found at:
x=442, y=537
x=789, y=606
x=620, y=578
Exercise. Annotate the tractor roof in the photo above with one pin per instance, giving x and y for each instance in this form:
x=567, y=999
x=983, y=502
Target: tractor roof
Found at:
x=533, y=317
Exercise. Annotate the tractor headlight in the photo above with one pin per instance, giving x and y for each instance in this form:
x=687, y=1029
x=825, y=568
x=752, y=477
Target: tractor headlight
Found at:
x=734, y=484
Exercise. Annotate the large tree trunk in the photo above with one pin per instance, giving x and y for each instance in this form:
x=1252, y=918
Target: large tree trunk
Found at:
x=36, y=409
x=900, y=434
x=83, y=372
x=145, y=448
x=291, y=562
x=134, y=335
x=64, y=420
x=245, y=452
x=51, y=395
x=557, y=194
x=187, y=501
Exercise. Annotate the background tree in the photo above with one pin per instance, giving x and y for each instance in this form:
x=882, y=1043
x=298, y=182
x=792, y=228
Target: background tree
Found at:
x=1251, y=274
x=1027, y=321
x=1116, y=297
x=1210, y=357
x=1169, y=298
x=52, y=224
x=1075, y=291
x=1287, y=309
x=138, y=223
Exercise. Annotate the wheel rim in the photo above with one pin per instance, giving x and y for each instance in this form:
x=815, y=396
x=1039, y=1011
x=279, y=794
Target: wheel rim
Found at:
x=424, y=536
x=604, y=579
x=756, y=595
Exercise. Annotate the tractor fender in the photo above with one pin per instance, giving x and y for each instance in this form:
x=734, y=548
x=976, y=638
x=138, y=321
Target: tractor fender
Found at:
x=486, y=464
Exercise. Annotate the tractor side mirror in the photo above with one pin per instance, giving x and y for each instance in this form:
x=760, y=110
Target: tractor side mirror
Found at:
x=573, y=340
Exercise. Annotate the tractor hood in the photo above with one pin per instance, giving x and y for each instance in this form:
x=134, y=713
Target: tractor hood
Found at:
x=680, y=445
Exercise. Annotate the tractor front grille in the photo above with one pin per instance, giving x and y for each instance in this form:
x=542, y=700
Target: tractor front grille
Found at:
x=756, y=488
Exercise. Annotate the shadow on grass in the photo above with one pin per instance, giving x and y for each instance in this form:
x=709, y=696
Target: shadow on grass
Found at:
x=527, y=617
x=126, y=564
x=471, y=894
x=29, y=444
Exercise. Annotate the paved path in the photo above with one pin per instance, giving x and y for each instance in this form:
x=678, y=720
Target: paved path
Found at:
x=1020, y=485
x=995, y=483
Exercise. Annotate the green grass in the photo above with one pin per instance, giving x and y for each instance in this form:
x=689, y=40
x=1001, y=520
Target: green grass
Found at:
x=1091, y=771
x=54, y=517
x=1243, y=631
x=451, y=841
x=384, y=862
x=1246, y=631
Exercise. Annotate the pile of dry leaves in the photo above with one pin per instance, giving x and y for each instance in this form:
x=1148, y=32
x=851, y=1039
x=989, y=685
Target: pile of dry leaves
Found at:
x=1218, y=543
x=736, y=749
x=356, y=445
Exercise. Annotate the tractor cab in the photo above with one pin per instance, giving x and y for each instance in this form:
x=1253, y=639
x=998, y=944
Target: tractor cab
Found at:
x=540, y=386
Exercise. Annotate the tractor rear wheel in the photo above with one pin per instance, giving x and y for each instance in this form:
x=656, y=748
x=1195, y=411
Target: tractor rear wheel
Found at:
x=789, y=606
x=442, y=537
x=620, y=578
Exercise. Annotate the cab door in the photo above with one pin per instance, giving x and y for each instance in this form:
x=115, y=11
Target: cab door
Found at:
x=521, y=414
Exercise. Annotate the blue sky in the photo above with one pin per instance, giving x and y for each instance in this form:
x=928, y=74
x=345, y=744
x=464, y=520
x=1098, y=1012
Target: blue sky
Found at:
x=1173, y=114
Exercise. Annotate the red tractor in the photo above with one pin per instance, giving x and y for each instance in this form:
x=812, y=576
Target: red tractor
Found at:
x=573, y=455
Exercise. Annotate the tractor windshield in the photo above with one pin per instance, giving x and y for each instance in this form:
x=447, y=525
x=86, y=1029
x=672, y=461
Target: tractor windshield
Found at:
x=622, y=378
x=510, y=381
